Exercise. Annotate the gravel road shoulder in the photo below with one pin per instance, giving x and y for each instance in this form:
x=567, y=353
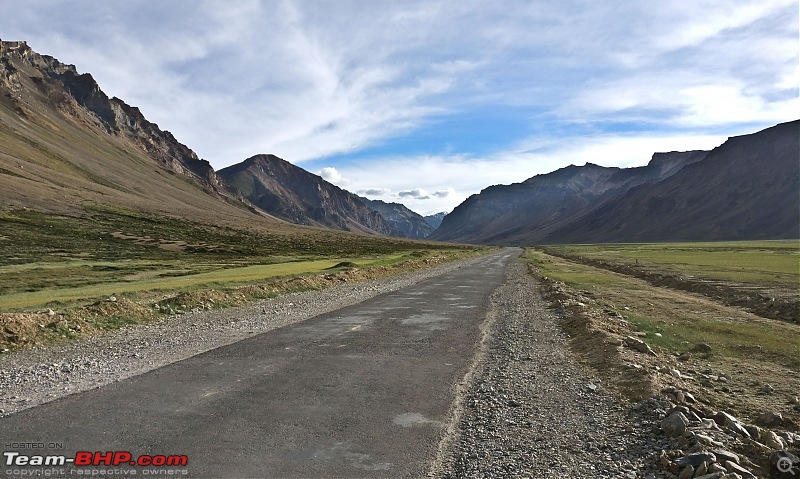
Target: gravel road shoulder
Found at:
x=529, y=409
x=36, y=376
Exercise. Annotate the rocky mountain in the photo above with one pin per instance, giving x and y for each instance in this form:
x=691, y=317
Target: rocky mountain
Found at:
x=737, y=191
x=293, y=194
x=528, y=212
x=406, y=222
x=66, y=146
x=748, y=188
x=435, y=220
x=64, y=143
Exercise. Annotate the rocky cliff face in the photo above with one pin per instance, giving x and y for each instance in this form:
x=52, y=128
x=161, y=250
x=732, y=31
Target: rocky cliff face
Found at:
x=292, y=193
x=32, y=82
x=406, y=222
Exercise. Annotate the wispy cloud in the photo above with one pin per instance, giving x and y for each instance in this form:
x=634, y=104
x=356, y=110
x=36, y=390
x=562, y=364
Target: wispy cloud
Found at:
x=445, y=193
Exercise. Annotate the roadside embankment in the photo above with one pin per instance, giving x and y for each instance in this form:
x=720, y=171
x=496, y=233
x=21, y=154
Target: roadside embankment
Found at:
x=722, y=381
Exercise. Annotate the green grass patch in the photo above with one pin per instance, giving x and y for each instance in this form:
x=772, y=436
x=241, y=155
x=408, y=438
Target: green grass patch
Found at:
x=574, y=274
x=113, y=322
x=219, y=278
x=57, y=259
x=682, y=319
x=759, y=263
x=675, y=340
x=179, y=283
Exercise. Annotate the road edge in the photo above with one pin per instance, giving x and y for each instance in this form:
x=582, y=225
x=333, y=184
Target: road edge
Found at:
x=450, y=434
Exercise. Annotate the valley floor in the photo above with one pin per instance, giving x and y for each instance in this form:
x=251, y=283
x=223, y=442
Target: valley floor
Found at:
x=550, y=393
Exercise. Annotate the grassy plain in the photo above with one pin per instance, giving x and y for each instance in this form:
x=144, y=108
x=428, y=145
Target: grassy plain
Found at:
x=682, y=319
x=47, y=258
x=159, y=265
x=749, y=349
x=753, y=263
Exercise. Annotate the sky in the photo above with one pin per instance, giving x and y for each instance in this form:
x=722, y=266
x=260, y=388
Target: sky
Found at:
x=428, y=102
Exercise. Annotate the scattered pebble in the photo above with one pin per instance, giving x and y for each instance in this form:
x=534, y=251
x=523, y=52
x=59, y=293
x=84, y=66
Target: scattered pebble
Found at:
x=547, y=417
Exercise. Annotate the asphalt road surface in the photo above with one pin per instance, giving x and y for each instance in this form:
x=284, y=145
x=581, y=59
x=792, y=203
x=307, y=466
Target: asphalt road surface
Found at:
x=363, y=391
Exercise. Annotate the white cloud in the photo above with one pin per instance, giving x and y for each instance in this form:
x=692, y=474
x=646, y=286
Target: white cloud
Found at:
x=681, y=101
x=332, y=175
x=719, y=104
x=375, y=192
x=704, y=64
x=702, y=21
x=444, y=193
x=416, y=193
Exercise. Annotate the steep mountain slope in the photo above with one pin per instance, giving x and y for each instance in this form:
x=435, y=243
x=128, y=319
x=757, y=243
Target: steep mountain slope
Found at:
x=747, y=188
x=529, y=211
x=408, y=223
x=435, y=220
x=65, y=145
x=292, y=193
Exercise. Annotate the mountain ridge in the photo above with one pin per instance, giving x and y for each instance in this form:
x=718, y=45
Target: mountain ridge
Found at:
x=112, y=114
x=591, y=203
x=298, y=196
x=407, y=222
x=738, y=191
x=65, y=145
x=523, y=211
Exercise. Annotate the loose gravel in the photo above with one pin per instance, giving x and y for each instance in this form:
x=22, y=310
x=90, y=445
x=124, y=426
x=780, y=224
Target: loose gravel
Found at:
x=39, y=375
x=528, y=409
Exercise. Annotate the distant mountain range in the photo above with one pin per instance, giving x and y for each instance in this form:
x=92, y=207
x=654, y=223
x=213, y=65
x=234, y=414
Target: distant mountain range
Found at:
x=293, y=194
x=406, y=222
x=65, y=145
x=530, y=210
x=747, y=188
x=435, y=220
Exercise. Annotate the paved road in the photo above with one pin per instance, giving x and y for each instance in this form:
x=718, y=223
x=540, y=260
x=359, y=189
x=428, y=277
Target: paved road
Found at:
x=359, y=392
